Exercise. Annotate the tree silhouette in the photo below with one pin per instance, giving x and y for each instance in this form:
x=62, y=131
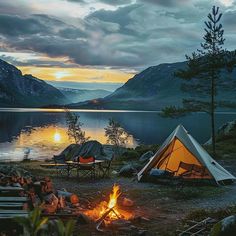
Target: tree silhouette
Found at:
x=202, y=74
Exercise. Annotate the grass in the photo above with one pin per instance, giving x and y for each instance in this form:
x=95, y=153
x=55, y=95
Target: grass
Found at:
x=217, y=214
x=134, y=154
x=225, y=150
x=201, y=214
x=225, y=146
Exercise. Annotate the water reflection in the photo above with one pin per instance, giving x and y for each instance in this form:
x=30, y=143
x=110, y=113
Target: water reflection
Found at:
x=45, y=133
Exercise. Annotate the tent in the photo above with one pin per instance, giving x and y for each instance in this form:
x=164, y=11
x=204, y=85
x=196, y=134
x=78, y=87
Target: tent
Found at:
x=183, y=156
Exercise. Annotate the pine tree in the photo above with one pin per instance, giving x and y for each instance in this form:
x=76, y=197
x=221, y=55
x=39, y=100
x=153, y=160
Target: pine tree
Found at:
x=203, y=72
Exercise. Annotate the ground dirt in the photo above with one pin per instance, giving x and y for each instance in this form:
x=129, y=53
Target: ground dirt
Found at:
x=164, y=206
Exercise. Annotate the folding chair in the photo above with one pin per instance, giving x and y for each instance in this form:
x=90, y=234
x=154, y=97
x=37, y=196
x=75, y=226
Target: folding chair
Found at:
x=86, y=166
x=106, y=167
x=61, y=159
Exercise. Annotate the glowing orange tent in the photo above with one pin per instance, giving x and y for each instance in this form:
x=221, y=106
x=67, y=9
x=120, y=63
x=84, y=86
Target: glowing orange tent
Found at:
x=183, y=156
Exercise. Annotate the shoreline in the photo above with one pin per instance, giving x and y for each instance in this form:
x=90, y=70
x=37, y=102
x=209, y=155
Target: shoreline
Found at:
x=61, y=110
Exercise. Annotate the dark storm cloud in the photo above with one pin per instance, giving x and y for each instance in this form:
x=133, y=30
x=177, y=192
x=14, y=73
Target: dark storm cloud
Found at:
x=79, y=51
x=13, y=25
x=11, y=7
x=77, y=1
x=229, y=20
x=123, y=16
x=116, y=2
x=37, y=63
x=133, y=35
x=109, y=2
x=16, y=26
x=166, y=3
x=71, y=33
x=101, y=42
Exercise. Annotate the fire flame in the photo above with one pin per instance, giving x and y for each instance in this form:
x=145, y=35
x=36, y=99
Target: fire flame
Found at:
x=114, y=196
x=112, y=205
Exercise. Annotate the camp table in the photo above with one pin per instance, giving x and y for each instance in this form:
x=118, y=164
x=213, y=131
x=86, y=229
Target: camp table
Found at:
x=53, y=164
x=70, y=165
x=76, y=164
x=58, y=166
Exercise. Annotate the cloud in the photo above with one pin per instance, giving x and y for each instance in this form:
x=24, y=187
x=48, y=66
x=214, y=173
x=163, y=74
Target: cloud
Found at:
x=109, y=2
x=16, y=26
x=134, y=35
x=167, y=3
x=117, y=2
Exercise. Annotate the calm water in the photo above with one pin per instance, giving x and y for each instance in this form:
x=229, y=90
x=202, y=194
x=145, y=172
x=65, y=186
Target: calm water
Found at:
x=43, y=132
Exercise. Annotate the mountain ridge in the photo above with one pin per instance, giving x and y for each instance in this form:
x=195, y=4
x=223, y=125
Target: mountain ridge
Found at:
x=18, y=90
x=152, y=89
x=80, y=95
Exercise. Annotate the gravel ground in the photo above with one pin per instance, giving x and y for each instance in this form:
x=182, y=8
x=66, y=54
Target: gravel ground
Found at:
x=163, y=205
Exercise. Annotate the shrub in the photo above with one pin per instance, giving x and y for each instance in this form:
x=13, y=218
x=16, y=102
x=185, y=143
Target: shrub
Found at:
x=130, y=154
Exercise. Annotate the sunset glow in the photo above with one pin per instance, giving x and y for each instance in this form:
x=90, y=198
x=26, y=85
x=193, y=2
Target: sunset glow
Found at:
x=57, y=137
x=84, y=75
x=61, y=74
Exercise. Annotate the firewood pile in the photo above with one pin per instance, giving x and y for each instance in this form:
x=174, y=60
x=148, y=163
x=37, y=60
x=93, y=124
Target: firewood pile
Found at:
x=39, y=191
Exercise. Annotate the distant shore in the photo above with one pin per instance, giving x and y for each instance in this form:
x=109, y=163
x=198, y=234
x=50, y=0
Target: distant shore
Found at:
x=33, y=109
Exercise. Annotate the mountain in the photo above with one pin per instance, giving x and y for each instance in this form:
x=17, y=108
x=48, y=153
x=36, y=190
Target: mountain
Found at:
x=152, y=89
x=85, y=85
x=79, y=95
x=17, y=90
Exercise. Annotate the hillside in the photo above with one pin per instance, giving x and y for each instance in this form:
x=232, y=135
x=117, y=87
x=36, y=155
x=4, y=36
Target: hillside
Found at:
x=79, y=95
x=153, y=89
x=17, y=90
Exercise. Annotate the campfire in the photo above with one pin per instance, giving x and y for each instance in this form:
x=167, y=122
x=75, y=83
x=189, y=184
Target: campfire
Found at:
x=114, y=213
x=107, y=212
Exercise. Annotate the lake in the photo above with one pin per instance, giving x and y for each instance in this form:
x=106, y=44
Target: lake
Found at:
x=44, y=131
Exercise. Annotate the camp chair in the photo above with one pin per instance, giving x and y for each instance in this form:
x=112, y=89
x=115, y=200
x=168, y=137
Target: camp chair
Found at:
x=200, y=171
x=106, y=167
x=191, y=169
x=61, y=159
x=86, y=166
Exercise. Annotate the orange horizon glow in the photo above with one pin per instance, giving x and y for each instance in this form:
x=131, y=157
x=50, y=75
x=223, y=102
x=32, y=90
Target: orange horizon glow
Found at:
x=82, y=75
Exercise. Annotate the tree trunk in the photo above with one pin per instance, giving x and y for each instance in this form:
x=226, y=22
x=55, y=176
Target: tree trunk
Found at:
x=213, y=114
x=213, y=131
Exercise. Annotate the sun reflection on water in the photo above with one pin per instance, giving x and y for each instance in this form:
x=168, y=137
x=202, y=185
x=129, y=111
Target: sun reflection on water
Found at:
x=46, y=141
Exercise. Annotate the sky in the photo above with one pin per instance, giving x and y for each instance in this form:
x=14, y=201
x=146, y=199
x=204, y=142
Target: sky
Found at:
x=103, y=42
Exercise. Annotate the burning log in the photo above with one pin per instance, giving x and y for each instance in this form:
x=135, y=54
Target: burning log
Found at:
x=103, y=218
x=107, y=212
x=127, y=202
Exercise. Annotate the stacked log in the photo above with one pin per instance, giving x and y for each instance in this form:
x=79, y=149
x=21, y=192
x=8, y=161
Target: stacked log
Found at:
x=40, y=191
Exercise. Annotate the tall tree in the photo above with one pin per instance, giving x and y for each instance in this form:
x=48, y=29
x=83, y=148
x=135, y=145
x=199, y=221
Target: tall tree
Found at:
x=74, y=130
x=203, y=72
